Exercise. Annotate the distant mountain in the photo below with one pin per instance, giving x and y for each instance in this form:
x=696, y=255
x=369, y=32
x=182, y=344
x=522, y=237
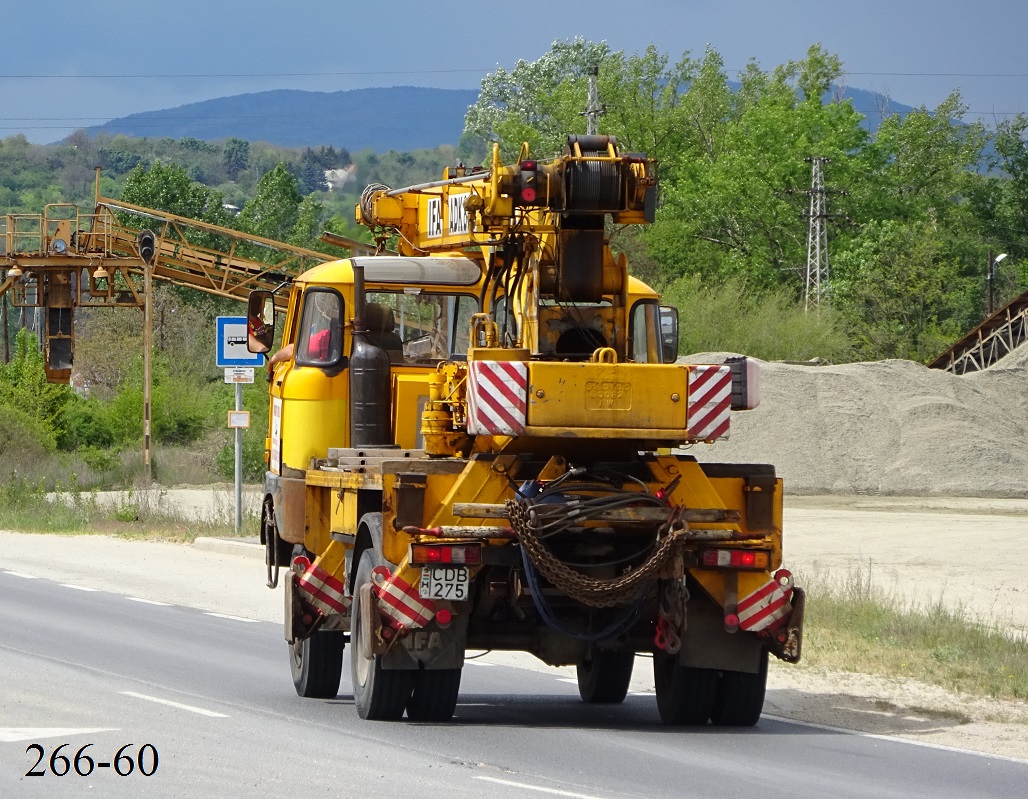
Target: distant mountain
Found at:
x=400, y=118
x=871, y=105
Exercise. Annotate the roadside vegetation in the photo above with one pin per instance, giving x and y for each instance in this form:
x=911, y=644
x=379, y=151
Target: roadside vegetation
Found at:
x=851, y=625
x=139, y=513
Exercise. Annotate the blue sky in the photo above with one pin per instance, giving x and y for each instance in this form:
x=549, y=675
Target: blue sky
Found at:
x=69, y=64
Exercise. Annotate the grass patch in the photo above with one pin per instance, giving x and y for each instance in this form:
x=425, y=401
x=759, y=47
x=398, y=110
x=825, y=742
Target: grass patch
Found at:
x=856, y=626
x=144, y=514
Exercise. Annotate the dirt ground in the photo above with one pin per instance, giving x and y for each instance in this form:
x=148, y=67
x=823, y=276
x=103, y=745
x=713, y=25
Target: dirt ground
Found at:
x=971, y=553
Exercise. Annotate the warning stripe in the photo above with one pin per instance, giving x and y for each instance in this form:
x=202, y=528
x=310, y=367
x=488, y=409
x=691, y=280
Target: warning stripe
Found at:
x=324, y=591
x=496, y=382
x=710, y=402
x=768, y=604
x=402, y=603
x=497, y=397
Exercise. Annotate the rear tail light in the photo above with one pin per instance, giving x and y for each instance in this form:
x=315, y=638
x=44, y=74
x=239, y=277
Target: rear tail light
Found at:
x=430, y=554
x=755, y=559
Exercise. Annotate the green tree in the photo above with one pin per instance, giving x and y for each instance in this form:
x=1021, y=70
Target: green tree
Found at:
x=23, y=386
x=168, y=187
x=236, y=157
x=275, y=208
x=902, y=290
x=536, y=100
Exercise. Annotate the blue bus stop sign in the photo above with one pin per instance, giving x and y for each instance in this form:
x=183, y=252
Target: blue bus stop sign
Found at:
x=232, y=349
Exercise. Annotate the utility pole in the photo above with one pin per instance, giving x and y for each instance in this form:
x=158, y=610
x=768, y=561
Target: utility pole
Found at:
x=3, y=323
x=816, y=290
x=594, y=108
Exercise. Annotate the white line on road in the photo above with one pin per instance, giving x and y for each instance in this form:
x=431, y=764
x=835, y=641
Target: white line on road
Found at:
x=893, y=738
x=21, y=574
x=77, y=587
x=180, y=706
x=148, y=601
x=231, y=618
x=15, y=734
x=541, y=789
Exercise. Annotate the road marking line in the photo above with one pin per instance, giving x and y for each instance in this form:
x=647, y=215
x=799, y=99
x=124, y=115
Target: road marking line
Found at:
x=539, y=788
x=21, y=574
x=892, y=738
x=180, y=706
x=148, y=601
x=231, y=618
x=77, y=587
x=11, y=735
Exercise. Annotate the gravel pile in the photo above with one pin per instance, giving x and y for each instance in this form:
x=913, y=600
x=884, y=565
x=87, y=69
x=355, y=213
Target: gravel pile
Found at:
x=888, y=428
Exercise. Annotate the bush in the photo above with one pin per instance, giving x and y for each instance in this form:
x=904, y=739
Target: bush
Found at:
x=770, y=325
x=85, y=423
x=253, y=458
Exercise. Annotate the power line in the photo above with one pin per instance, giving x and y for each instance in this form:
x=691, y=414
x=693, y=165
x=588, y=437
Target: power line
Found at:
x=360, y=73
x=249, y=74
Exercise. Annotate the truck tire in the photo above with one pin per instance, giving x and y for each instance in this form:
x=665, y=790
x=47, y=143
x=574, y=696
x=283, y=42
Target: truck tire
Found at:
x=379, y=694
x=317, y=664
x=604, y=677
x=435, y=695
x=685, y=694
x=740, y=697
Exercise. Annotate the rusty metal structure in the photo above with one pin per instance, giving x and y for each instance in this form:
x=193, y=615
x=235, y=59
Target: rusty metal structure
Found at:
x=1000, y=334
x=65, y=258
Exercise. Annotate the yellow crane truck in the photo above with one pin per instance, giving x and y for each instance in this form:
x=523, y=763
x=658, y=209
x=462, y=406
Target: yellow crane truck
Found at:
x=472, y=447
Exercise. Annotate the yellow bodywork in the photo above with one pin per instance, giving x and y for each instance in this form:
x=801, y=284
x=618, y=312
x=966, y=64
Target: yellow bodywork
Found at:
x=619, y=398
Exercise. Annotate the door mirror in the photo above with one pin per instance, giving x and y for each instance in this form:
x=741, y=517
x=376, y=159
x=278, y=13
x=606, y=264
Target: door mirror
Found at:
x=668, y=333
x=260, y=321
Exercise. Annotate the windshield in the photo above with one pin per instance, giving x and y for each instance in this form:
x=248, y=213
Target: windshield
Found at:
x=417, y=327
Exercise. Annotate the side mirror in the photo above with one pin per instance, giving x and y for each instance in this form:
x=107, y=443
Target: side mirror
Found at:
x=668, y=333
x=260, y=321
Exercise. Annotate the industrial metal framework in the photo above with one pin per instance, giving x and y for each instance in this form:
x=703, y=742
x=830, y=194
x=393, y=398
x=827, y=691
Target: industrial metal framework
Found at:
x=998, y=335
x=65, y=259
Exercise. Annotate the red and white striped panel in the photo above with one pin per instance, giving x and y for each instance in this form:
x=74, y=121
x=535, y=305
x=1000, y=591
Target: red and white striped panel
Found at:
x=401, y=601
x=710, y=402
x=323, y=590
x=768, y=604
x=497, y=398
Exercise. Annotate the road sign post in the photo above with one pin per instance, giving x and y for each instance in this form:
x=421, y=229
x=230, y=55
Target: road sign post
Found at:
x=238, y=362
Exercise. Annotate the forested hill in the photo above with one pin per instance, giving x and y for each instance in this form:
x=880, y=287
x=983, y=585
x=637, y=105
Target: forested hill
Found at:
x=402, y=118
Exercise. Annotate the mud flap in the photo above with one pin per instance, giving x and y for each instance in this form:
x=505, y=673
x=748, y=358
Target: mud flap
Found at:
x=431, y=647
x=787, y=642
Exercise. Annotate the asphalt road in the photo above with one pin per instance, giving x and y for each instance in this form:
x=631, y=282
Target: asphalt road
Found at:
x=212, y=695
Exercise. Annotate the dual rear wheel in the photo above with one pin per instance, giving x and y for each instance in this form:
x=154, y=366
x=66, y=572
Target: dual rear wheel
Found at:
x=382, y=694
x=691, y=696
x=379, y=694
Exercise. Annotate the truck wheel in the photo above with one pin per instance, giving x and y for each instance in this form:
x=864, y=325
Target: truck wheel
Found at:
x=685, y=694
x=317, y=663
x=435, y=695
x=379, y=694
x=740, y=697
x=604, y=677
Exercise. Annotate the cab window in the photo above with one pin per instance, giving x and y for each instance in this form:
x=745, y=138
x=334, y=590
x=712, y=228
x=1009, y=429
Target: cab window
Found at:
x=644, y=337
x=417, y=327
x=320, y=336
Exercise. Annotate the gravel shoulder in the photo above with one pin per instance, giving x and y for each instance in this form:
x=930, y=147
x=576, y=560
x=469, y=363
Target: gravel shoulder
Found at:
x=922, y=549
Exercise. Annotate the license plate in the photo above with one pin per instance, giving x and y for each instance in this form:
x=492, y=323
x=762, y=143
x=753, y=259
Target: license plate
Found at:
x=444, y=582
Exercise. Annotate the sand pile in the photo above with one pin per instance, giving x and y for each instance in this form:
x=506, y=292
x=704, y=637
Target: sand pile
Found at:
x=890, y=427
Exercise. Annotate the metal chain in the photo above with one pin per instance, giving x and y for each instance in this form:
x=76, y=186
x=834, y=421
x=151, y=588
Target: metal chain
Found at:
x=671, y=616
x=593, y=591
